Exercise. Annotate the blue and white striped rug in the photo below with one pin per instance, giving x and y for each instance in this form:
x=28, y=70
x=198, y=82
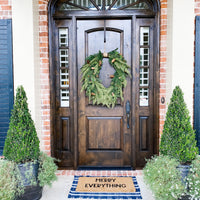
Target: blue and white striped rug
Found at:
x=104, y=195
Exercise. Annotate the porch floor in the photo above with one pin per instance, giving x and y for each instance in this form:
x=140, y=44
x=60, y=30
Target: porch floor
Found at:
x=60, y=188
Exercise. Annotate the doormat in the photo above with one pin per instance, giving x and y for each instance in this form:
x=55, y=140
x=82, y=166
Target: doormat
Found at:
x=104, y=187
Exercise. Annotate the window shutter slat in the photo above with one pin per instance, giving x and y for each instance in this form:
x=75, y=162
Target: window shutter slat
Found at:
x=6, y=78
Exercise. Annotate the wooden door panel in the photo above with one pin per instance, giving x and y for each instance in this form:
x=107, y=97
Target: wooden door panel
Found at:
x=102, y=132
x=144, y=114
x=114, y=39
x=144, y=133
x=63, y=131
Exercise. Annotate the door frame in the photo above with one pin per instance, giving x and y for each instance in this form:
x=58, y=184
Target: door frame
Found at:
x=74, y=16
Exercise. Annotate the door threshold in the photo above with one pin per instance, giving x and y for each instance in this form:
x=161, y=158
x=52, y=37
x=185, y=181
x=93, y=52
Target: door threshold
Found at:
x=100, y=168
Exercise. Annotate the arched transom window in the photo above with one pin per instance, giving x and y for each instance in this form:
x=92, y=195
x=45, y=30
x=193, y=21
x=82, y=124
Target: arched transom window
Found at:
x=78, y=5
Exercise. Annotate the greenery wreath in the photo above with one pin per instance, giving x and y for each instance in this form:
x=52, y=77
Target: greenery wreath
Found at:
x=95, y=90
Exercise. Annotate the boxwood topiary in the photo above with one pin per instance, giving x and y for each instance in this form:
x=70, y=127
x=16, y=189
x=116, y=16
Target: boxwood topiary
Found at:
x=22, y=143
x=178, y=138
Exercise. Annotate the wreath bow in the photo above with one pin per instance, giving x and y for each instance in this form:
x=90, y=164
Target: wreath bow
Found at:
x=95, y=90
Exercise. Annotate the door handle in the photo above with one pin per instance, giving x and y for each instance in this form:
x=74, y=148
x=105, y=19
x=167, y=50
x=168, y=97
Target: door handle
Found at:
x=128, y=110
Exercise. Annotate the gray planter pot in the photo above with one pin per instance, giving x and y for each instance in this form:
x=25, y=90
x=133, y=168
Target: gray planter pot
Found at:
x=30, y=192
x=184, y=170
x=28, y=171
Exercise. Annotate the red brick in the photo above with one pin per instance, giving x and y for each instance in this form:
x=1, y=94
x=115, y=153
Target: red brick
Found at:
x=197, y=10
x=163, y=16
x=47, y=148
x=44, y=45
x=44, y=49
x=163, y=27
x=6, y=7
x=163, y=32
x=163, y=5
x=164, y=59
x=45, y=71
x=43, y=34
x=163, y=70
x=45, y=112
x=3, y=2
x=46, y=138
x=47, y=143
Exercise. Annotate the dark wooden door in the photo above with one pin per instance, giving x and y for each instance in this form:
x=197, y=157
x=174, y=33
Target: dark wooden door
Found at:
x=103, y=136
x=91, y=135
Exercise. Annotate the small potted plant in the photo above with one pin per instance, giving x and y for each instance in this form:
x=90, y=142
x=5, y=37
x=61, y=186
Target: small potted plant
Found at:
x=22, y=148
x=178, y=138
x=163, y=178
x=9, y=180
x=193, y=179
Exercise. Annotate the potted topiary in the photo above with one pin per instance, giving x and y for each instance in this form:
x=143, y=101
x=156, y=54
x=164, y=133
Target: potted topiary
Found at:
x=22, y=148
x=177, y=151
x=178, y=138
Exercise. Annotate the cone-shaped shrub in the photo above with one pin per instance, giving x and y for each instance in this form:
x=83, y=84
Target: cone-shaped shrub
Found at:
x=22, y=143
x=178, y=138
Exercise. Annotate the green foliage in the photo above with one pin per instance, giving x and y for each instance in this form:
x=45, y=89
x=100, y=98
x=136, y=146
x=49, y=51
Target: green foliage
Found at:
x=9, y=180
x=47, y=170
x=178, y=138
x=95, y=90
x=193, y=179
x=22, y=143
x=164, y=179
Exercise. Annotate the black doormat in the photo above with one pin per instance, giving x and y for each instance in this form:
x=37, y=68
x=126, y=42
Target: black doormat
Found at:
x=105, y=168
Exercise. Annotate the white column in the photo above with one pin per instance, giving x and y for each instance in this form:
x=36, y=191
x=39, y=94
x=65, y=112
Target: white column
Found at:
x=181, y=49
x=26, y=52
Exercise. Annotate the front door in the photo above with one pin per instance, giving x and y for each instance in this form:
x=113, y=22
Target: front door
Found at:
x=89, y=135
x=104, y=139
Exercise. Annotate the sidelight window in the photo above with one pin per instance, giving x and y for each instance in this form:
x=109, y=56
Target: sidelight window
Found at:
x=144, y=66
x=64, y=66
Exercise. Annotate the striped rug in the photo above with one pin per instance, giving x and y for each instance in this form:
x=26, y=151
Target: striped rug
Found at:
x=104, y=187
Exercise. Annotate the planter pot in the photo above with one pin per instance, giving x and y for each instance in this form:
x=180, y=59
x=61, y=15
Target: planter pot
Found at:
x=31, y=193
x=185, y=197
x=27, y=171
x=184, y=170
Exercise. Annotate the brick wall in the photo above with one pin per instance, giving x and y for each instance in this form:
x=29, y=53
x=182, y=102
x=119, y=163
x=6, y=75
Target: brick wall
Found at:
x=163, y=61
x=5, y=9
x=44, y=66
x=197, y=7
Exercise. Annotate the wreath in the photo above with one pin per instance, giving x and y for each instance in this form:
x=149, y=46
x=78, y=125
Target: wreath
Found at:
x=95, y=90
